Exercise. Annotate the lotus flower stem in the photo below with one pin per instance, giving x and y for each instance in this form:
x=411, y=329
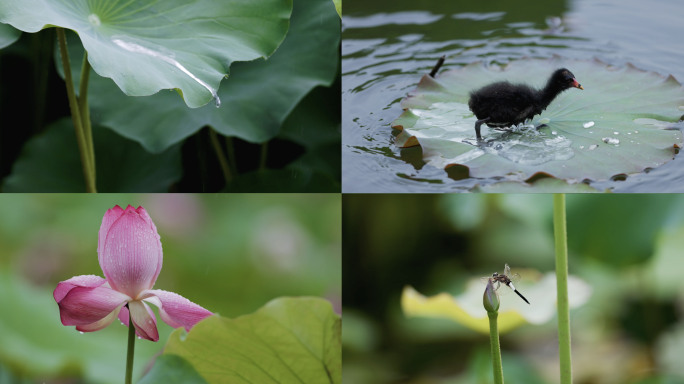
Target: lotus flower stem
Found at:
x=496, y=348
x=131, y=350
x=230, y=151
x=264, y=156
x=227, y=174
x=491, y=303
x=85, y=111
x=561, y=240
x=76, y=116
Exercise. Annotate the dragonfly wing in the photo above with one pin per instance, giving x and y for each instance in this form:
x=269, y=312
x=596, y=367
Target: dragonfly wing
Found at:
x=507, y=270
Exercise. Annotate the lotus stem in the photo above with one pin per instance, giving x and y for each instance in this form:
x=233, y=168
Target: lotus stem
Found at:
x=225, y=167
x=85, y=111
x=264, y=156
x=76, y=115
x=437, y=66
x=496, y=348
x=131, y=349
x=561, y=240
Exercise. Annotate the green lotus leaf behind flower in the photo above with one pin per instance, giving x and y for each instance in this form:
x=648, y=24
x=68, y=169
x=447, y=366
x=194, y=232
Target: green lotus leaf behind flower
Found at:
x=288, y=340
x=625, y=121
x=467, y=308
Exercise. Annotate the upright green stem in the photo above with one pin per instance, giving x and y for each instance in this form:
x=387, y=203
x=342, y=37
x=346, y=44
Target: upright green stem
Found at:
x=230, y=150
x=76, y=115
x=85, y=111
x=131, y=349
x=496, y=348
x=561, y=239
x=213, y=136
x=264, y=155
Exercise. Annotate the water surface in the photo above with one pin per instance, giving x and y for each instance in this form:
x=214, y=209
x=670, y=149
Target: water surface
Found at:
x=388, y=45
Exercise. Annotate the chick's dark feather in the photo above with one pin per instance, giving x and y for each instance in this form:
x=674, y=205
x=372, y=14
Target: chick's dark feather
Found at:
x=504, y=103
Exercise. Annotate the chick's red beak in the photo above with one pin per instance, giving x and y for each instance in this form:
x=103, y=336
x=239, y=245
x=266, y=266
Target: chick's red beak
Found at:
x=576, y=84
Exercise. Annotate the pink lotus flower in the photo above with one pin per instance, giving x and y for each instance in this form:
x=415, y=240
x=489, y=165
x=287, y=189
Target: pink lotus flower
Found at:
x=130, y=255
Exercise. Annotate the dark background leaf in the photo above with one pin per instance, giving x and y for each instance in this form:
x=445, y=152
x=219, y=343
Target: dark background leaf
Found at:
x=122, y=165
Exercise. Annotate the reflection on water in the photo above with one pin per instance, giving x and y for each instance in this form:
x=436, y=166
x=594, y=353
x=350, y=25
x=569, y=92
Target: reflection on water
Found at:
x=388, y=45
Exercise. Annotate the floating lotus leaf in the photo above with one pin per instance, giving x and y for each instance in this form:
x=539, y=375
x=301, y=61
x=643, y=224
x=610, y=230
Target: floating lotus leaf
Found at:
x=146, y=46
x=543, y=185
x=625, y=121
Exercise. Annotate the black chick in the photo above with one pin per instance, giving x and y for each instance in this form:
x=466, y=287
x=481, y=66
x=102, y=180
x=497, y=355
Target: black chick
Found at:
x=503, y=104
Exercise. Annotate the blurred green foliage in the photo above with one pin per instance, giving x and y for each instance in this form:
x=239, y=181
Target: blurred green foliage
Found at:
x=229, y=253
x=627, y=247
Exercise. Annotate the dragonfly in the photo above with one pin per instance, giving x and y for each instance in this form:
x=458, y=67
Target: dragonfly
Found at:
x=505, y=278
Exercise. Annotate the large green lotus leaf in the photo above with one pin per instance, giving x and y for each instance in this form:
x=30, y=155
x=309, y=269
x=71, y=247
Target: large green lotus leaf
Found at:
x=148, y=45
x=256, y=99
x=289, y=340
x=315, y=125
x=622, y=123
x=8, y=35
x=172, y=369
x=50, y=163
x=33, y=340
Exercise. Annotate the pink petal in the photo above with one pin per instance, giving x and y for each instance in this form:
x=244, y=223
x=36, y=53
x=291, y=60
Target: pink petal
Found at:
x=131, y=252
x=176, y=310
x=86, y=305
x=96, y=326
x=109, y=218
x=65, y=286
x=143, y=214
x=144, y=320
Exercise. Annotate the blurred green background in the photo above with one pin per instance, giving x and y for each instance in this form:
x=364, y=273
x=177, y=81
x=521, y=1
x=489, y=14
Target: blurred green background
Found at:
x=229, y=253
x=628, y=248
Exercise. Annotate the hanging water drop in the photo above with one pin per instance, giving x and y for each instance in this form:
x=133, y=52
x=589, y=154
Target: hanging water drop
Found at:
x=81, y=332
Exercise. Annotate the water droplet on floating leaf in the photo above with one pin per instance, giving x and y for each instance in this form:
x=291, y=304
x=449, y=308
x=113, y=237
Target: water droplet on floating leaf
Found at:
x=588, y=125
